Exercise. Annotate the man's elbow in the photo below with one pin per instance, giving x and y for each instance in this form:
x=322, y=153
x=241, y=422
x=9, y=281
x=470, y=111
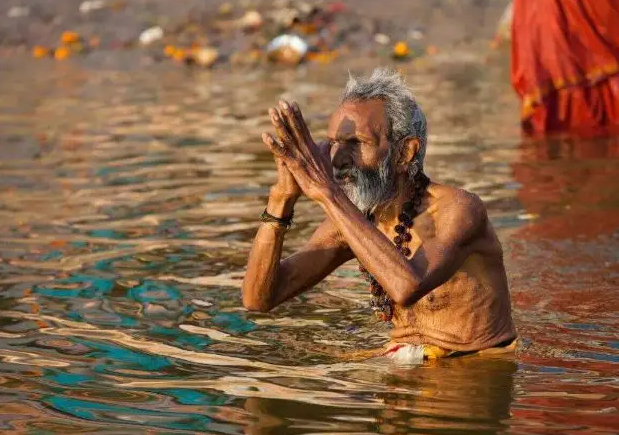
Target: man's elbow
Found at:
x=406, y=295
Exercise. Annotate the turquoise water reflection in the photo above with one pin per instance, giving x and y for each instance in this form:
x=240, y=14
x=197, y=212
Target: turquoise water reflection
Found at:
x=125, y=225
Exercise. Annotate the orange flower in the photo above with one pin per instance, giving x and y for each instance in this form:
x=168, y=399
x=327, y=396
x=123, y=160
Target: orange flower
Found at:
x=39, y=51
x=306, y=28
x=179, y=55
x=401, y=49
x=62, y=53
x=323, y=56
x=94, y=41
x=69, y=37
x=169, y=50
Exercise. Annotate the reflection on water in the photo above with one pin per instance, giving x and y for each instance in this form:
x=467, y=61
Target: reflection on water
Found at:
x=128, y=199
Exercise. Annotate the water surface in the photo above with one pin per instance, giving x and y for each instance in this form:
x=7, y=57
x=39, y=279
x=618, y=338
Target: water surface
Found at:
x=128, y=200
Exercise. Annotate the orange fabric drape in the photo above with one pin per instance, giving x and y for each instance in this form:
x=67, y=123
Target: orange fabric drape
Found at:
x=565, y=64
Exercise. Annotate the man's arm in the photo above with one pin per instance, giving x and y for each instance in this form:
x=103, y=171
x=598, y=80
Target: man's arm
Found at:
x=269, y=282
x=461, y=221
x=459, y=224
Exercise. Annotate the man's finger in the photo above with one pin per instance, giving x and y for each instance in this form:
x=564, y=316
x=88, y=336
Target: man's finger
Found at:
x=300, y=127
x=274, y=146
x=281, y=127
x=289, y=117
x=300, y=121
x=303, y=139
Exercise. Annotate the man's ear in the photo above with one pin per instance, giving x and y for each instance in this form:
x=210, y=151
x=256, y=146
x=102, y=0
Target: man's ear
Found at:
x=410, y=148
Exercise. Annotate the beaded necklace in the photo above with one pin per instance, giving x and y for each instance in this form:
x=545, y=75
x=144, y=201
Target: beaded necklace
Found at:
x=380, y=301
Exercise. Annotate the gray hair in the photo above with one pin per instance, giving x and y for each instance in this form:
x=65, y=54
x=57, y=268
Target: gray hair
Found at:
x=404, y=116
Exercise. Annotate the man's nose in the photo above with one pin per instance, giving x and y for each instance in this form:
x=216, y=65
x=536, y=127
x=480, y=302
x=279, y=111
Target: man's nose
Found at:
x=341, y=157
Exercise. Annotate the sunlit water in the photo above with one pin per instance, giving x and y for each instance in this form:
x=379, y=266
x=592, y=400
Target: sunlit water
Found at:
x=128, y=200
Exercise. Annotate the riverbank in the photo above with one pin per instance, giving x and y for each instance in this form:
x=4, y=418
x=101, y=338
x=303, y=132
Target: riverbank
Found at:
x=215, y=33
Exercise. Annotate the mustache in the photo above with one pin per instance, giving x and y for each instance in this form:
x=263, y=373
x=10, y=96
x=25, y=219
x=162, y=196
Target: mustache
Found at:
x=341, y=174
x=353, y=173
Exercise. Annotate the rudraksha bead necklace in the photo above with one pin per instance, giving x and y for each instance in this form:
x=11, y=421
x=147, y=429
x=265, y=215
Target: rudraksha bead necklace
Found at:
x=380, y=301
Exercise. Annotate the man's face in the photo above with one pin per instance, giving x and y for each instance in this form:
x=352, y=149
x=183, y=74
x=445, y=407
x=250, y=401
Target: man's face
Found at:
x=361, y=155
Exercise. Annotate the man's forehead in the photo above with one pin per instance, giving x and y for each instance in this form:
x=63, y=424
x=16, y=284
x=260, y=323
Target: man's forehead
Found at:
x=358, y=118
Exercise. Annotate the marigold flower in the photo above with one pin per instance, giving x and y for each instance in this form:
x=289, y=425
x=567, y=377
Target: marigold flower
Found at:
x=169, y=50
x=69, y=37
x=62, y=53
x=39, y=51
x=323, y=57
x=179, y=55
x=401, y=49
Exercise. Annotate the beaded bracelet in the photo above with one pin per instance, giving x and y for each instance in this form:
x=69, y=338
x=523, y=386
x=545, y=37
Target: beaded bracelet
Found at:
x=283, y=221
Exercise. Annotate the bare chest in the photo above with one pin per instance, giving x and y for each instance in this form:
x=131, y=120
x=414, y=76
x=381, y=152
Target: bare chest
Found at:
x=423, y=229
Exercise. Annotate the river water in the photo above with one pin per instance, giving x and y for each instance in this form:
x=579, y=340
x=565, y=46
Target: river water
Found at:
x=129, y=196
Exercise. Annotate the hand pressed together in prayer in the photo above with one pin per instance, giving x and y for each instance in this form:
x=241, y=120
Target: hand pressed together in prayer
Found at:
x=308, y=162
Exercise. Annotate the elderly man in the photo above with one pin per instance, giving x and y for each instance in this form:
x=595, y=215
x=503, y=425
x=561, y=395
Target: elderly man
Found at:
x=428, y=251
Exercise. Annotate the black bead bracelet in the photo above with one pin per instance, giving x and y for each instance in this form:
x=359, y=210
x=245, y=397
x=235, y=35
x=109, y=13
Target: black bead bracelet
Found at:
x=283, y=221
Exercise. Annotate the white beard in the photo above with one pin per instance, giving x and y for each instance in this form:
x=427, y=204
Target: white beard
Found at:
x=371, y=187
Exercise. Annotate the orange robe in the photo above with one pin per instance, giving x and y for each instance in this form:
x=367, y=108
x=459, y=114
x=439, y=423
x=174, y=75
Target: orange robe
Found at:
x=565, y=65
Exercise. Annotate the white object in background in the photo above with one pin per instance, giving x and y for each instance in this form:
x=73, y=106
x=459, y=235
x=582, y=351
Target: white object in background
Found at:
x=205, y=56
x=287, y=49
x=18, y=11
x=151, y=35
x=91, y=5
x=382, y=39
x=251, y=20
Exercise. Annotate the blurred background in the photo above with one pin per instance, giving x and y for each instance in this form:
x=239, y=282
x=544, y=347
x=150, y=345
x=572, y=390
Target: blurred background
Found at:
x=132, y=175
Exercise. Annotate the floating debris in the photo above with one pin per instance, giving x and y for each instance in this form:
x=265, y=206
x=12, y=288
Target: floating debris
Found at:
x=91, y=5
x=151, y=35
x=169, y=50
x=179, y=55
x=39, y=51
x=287, y=49
x=203, y=56
x=62, y=53
x=251, y=20
x=245, y=34
x=401, y=50
x=416, y=34
x=68, y=37
x=382, y=39
x=18, y=12
x=322, y=57
x=201, y=303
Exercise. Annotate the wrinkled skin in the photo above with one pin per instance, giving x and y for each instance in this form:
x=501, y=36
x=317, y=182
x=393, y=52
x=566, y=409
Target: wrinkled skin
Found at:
x=452, y=290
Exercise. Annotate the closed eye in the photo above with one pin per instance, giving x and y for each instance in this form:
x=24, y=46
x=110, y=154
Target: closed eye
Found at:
x=349, y=142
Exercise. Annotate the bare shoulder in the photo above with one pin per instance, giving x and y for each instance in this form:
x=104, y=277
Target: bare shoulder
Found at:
x=458, y=211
